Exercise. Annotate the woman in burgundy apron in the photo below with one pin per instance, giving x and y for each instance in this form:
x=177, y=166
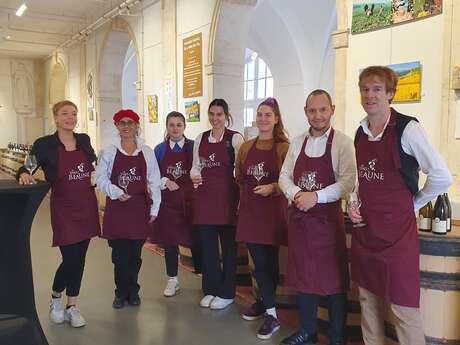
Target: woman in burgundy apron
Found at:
x=317, y=258
x=128, y=174
x=215, y=204
x=67, y=160
x=173, y=226
x=262, y=215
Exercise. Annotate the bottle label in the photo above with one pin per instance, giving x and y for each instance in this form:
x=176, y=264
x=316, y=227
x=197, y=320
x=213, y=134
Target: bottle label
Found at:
x=439, y=226
x=424, y=223
x=449, y=224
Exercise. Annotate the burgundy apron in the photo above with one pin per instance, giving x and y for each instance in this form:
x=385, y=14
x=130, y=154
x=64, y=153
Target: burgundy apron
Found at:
x=128, y=219
x=317, y=257
x=173, y=225
x=385, y=253
x=216, y=199
x=74, y=210
x=261, y=220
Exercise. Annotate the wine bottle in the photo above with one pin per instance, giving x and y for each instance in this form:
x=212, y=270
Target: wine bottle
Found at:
x=449, y=212
x=439, y=220
x=424, y=217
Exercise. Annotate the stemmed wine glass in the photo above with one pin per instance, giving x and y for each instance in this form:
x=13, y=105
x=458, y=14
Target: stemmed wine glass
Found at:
x=354, y=203
x=176, y=173
x=30, y=163
x=258, y=173
x=200, y=167
x=123, y=182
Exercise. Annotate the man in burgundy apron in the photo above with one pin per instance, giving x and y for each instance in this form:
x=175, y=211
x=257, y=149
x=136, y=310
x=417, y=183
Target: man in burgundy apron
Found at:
x=214, y=213
x=173, y=225
x=385, y=252
x=317, y=258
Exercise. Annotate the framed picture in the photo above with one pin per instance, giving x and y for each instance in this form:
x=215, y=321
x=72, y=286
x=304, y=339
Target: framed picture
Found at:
x=409, y=82
x=376, y=14
x=192, y=111
x=152, y=102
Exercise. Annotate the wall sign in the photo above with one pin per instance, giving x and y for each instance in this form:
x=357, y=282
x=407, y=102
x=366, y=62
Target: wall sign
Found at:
x=192, y=66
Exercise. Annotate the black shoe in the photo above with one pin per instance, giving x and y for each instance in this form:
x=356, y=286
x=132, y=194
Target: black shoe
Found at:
x=300, y=338
x=118, y=302
x=134, y=300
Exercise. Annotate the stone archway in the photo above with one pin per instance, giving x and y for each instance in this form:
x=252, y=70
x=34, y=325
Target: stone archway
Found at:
x=109, y=100
x=294, y=39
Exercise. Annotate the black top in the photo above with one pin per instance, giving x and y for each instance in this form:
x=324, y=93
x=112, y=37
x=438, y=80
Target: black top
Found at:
x=45, y=150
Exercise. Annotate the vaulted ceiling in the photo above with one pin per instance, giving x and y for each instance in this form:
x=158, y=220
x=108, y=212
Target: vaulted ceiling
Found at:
x=45, y=24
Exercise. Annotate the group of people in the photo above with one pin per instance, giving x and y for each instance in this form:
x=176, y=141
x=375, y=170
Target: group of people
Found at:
x=264, y=192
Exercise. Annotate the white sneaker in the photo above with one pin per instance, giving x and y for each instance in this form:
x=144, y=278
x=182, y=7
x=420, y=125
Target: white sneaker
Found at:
x=73, y=316
x=221, y=303
x=56, y=313
x=206, y=301
x=172, y=287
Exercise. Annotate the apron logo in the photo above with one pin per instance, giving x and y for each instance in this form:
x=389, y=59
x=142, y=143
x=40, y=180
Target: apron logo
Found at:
x=257, y=171
x=79, y=173
x=368, y=172
x=176, y=171
x=308, y=181
x=130, y=175
x=209, y=162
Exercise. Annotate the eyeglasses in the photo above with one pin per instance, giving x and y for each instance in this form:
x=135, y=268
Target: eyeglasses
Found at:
x=126, y=123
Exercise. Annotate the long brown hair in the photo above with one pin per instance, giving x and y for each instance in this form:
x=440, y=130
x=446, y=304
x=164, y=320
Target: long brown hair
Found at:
x=172, y=114
x=220, y=102
x=279, y=133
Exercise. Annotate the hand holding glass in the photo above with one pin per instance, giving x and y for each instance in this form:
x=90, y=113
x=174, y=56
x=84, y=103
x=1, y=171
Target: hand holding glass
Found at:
x=123, y=182
x=354, y=203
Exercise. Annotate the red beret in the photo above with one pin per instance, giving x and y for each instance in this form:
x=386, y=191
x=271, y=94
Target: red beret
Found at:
x=125, y=113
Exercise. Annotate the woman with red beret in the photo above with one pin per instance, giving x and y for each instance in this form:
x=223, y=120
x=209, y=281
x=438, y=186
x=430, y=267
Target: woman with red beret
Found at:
x=128, y=174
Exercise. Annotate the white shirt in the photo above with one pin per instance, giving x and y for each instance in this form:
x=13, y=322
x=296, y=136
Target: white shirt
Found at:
x=343, y=164
x=172, y=143
x=104, y=171
x=237, y=141
x=414, y=142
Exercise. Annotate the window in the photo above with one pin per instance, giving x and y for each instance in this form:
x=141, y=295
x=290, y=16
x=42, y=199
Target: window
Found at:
x=258, y=84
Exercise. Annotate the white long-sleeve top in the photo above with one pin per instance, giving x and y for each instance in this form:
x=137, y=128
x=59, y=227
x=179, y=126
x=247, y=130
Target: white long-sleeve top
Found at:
x=415, y=143
x=237, y=141
x=104, y=171
x=343, y=164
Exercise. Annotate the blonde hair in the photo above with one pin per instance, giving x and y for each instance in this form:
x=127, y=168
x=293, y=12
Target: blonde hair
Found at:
x=61, y=104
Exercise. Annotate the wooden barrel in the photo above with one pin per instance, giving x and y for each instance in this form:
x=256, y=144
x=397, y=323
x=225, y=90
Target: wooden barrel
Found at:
x=186, y=259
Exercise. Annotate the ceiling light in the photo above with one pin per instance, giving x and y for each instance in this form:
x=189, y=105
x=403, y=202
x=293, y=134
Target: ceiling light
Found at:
x=21, y=10
x=7, y=37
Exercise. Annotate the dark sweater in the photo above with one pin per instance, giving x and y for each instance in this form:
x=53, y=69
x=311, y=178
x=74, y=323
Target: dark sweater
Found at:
x=45, y=150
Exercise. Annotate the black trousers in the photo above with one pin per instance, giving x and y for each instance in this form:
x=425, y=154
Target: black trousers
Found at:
x=308, y=306
x=171, y=260
x=218, y=280
x=266, y=271
x=70, y=272
x=126, y=258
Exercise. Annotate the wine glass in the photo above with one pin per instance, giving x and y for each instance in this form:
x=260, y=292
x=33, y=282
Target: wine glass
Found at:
x=258, y=173
x=30, y=163
x=176, y=173
x=354, y=203
x=123, y=182
x=199, y=168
